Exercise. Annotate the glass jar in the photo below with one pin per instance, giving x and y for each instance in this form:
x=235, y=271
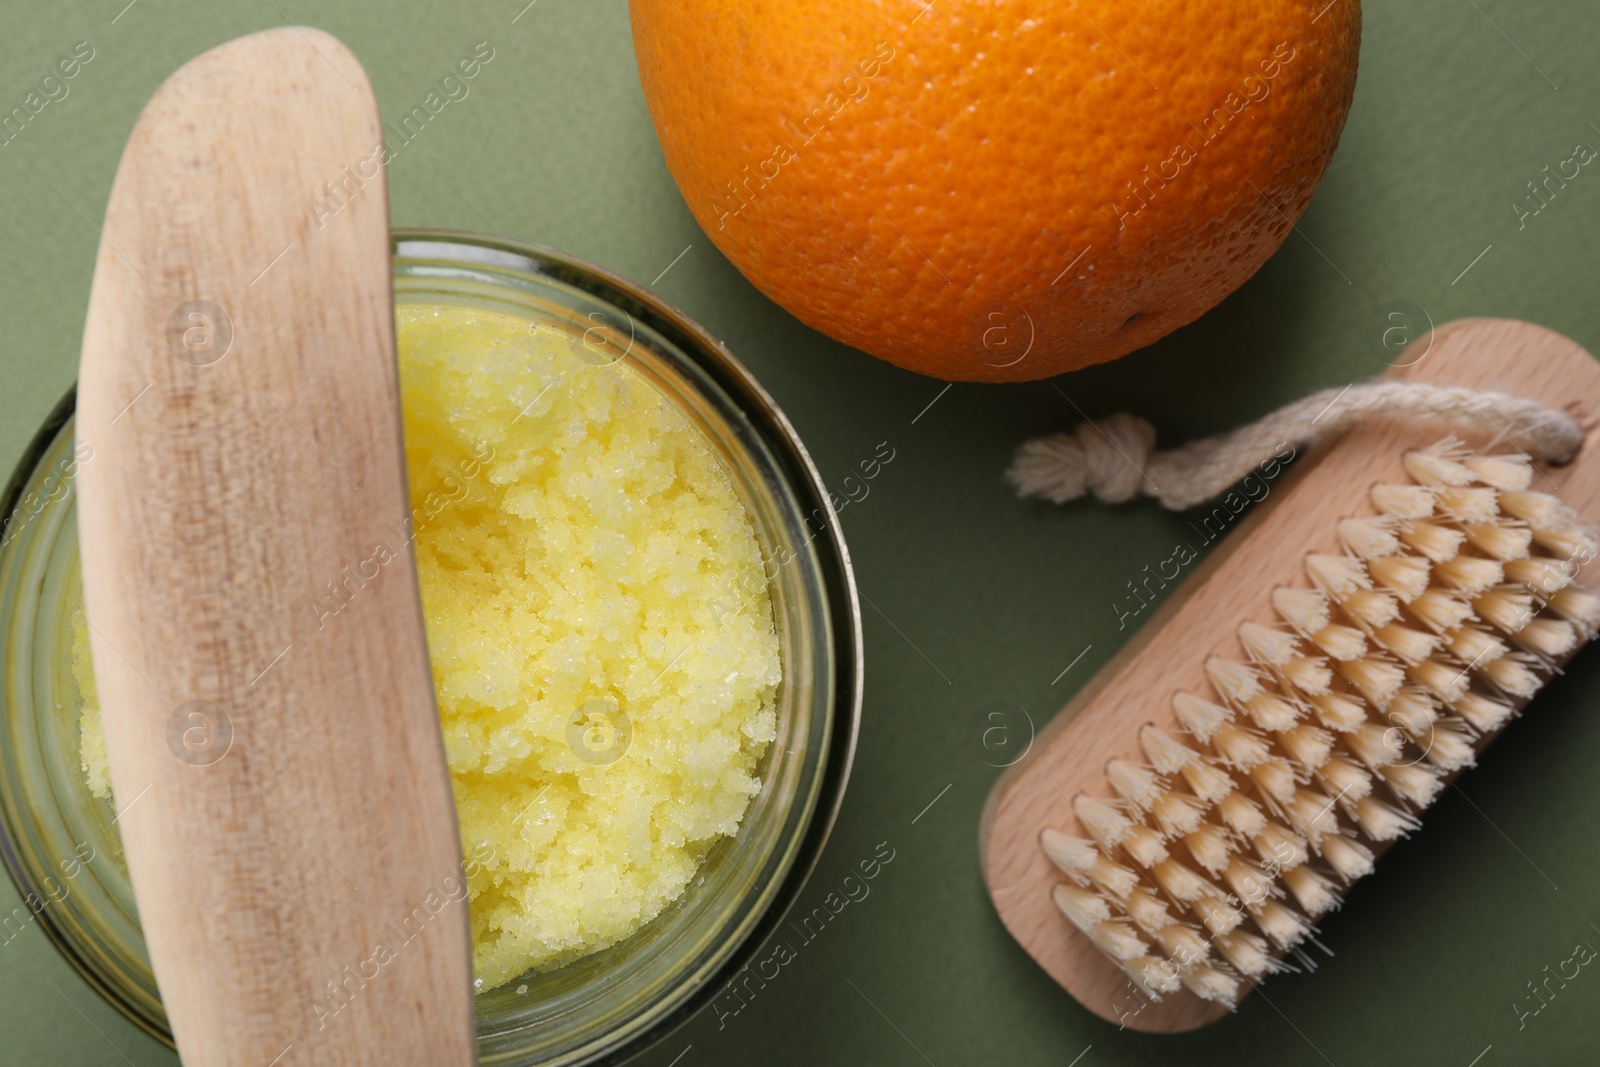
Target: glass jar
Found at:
x=61, y=845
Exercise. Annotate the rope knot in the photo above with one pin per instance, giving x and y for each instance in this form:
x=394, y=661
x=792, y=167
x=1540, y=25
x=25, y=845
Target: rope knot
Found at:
x=1113, y=457
x=1104, y=456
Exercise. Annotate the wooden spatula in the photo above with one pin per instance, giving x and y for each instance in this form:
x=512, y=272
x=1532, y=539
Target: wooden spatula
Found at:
x=276, y=758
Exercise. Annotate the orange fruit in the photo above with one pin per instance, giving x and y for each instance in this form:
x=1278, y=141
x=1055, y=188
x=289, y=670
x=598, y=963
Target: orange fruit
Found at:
x=997, y=190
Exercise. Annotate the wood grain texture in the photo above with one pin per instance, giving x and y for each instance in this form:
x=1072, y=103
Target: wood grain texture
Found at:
x=1265, y=549
x=299, y=883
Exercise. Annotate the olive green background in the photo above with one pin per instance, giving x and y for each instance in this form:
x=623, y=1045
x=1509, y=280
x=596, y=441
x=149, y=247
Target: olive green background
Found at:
x=973, y=602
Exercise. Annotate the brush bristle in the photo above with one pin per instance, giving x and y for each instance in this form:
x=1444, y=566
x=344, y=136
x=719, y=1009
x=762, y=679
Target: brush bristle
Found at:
x=1117, y=939
x=1442, y=614
x=1448, y=745
x=1144, y=845
x=1345, y=779
x=1408, y=645
x=1183, y=944
x=1217, y=914
x=1404, y=576
x=1473, y=645
x=1337, y=576
x=1209, y=782
x=1275, y=778
x=1249, y=954
x=1179, y=882
x=1176, y=814
x=1550, y=638
x=1375, y=745
x=1313, y=815
x=1512, y=675
x=1148, y=911
x=1154, y=976
x=1315, y=894
x=1343, y=643
x=1579, y=606
x=1308, y=675
x=1349, y=858
x=1438, y=543
x=1166, y=753
x=1542, y=576
x=1074, y=855
x=1082, y=908
x=1368, y=538
x=1437, y=465
x=1271, y=712
x=1403, y=501
x=1266, y=644
x=1375, y=678
x=1114, y=878
x=1568, y=539
x=1503, y=543
x=1310, y=746
x=1533, y=507
x=1240, y=747
x=1253, y=886
x=1468, y=575
x=1283, y=926
x=1340, y=712
x=1104, y=822
x=1280, y=848
x=1200, y=717
x=1506, y=470
x=1441, y=611
x=1413, y=710
x=1414, y=783
x=1209, y=847
x=1469, y=504
x=1137, y=785
x=1444, y=680
x=1371, y=608
x=1304, y=609
x=1235, y=682
x=1208, y=983
x=1241, y=815
x=1484, y=714
x=1381, y=821
x=1505, y=607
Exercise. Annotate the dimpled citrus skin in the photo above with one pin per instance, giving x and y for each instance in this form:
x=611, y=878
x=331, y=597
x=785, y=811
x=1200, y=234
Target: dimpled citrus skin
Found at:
x=960, y=155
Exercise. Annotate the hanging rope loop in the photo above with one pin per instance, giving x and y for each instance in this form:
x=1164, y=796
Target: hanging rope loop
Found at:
x=1114, y=458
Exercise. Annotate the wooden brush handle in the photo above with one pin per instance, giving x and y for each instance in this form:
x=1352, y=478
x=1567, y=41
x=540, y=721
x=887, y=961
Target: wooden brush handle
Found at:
x=278, y=768
x=1266, y=548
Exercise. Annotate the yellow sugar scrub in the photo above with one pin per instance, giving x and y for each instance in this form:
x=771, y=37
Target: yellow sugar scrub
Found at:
x=600, y=628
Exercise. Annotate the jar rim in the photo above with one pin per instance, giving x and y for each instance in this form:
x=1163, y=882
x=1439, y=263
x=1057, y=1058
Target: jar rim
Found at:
x=831, y=563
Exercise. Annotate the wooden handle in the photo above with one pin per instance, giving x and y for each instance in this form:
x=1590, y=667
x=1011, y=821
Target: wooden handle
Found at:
x=251, y=590
x=1265, y=549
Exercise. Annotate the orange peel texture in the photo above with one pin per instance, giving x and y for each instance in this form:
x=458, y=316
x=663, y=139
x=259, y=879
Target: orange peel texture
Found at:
x=997, y=190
